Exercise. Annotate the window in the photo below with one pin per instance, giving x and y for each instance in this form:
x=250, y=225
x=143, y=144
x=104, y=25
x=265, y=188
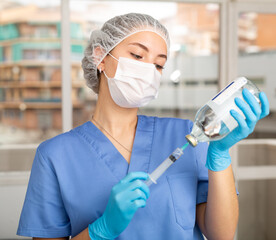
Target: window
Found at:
x=256, y=61
x=30, y=76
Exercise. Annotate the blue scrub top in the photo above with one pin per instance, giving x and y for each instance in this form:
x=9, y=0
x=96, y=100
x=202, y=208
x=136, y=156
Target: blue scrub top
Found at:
x=73, y=173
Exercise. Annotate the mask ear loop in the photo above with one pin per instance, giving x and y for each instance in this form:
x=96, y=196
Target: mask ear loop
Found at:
x=113, y=57
x=100, y=70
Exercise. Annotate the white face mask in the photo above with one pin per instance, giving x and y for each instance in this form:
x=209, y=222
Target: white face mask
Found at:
x=135, y=83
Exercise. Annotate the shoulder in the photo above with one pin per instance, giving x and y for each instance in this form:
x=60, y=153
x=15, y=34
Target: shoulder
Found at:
x=169, y=123
x=60, y=142
x=175, y=121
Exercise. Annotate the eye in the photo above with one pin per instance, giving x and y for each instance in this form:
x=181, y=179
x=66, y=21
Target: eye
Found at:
x=159, y=67
x=136, y=56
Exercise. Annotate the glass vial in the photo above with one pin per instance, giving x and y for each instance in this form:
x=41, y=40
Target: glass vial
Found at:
x=213, y=121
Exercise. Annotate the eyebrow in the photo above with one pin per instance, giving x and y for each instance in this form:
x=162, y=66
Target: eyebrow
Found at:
x=146, y=49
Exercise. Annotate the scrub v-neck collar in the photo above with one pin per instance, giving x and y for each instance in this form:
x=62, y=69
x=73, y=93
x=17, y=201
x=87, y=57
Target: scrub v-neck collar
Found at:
x=141, y=150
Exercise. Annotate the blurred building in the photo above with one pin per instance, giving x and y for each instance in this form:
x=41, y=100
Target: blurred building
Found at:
x=30, y=67
x=255, y=32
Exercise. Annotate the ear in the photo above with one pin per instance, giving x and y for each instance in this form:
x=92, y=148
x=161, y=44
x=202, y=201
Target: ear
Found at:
x=101, y=66
x=98, y=53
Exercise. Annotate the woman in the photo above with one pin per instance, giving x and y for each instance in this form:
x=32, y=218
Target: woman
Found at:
x=89, y=183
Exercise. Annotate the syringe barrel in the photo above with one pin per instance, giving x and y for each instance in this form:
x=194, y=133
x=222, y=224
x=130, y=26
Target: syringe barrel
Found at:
x=164, y=166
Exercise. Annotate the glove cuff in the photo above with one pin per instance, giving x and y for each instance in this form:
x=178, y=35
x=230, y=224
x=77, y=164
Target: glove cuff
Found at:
x=217, y=160
x=98, y=230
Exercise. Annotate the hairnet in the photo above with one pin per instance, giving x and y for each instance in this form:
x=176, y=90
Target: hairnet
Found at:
x=110, y=35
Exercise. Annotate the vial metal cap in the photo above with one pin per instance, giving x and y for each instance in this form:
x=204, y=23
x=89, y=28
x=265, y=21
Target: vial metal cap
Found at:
x=191, y=140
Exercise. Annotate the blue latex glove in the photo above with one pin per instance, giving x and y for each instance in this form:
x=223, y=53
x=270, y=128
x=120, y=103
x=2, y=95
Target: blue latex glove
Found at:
x=218, y=157
x=126, y=197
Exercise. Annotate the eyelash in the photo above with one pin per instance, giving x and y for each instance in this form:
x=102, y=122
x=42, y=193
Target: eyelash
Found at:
x=139, y=57
x=158, y=66
x=136, y=56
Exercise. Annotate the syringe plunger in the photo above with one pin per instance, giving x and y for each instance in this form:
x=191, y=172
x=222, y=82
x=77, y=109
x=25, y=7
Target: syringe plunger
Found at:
x=164, y=166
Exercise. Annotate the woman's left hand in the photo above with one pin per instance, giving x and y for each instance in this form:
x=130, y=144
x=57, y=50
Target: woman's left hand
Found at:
x=218, y=157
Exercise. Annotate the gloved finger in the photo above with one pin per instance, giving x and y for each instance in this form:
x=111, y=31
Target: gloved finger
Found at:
x=137, y=194
x=139, y=203
x=138, y=184
x=252, y=102
x=242, y=125
x=264, y=104
x=250, y=117
x=134, y=176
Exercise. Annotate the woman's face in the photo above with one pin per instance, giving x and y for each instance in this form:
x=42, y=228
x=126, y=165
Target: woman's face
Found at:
x=144, y=46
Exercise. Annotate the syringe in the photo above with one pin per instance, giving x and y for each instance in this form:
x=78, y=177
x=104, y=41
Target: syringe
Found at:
x=177, y=153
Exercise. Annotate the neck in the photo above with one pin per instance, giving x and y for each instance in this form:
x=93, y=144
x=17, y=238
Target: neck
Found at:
x=112, y=117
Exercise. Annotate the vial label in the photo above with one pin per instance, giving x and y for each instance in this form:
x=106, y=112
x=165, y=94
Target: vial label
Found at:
x=228, y=91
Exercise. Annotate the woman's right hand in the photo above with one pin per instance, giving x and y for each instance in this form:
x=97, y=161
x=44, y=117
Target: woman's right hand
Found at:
x=126, y=197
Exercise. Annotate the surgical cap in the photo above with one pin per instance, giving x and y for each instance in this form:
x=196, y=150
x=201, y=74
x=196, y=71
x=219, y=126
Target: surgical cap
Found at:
x=110, y=35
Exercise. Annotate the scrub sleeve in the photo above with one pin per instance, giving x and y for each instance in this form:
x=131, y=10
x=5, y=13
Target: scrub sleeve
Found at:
x=43, y=209
x=202, y=173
